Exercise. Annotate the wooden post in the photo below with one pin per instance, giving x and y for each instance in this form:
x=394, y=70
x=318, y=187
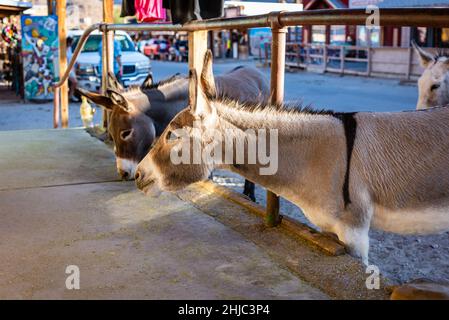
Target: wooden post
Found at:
x=56, y=94
x=408, y=74
x=307, y=61
x=325, y=53
x=278, y=43
x=64, y=90
x=370, y=61
x=342, y=60
x=107, y=52
x=266, y=63
x=298, y=54
x=197, y=50
x=50, y=7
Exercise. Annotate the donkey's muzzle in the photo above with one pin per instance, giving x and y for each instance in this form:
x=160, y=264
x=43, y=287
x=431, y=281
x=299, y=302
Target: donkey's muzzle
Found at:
x=141, y=180
x=125, y=175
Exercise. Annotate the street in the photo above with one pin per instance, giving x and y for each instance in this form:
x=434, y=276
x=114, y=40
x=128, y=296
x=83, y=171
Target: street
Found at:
x=329, y=91
x=322, y=91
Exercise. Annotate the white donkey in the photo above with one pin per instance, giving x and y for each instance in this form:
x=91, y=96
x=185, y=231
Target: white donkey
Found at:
x=346, y=171
x=434, y=82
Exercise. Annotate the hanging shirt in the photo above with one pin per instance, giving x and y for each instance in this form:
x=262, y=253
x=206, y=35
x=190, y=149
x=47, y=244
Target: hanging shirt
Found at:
x=149, y=10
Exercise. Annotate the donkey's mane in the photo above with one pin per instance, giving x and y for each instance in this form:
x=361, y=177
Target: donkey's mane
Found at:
x=441, y=53
x=167, y=81
x=132, y=90
x=269, y=108
x=136, y=89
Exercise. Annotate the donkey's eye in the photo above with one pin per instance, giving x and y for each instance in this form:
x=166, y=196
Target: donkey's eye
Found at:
x=171, y=136
x=434, y=87
x=126, y=134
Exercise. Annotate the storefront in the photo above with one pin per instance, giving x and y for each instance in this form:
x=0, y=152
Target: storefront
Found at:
x=377, y=36
x=241, y=43
x=334, y=35
x=11, y=72
x=401, y=37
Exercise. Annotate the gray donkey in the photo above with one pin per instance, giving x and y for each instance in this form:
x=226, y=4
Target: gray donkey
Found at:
x=140, y=114
x=346, y=171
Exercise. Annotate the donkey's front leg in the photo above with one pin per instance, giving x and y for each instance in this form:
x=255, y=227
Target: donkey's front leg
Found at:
x=353, y=231
x=356, y=241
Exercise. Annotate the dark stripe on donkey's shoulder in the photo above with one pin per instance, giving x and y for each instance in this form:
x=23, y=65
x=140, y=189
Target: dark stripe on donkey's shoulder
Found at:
x=350, y=126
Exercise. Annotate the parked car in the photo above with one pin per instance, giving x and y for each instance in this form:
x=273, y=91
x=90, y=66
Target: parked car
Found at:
x=142, y=44
x=155, y=48
x=136, y=66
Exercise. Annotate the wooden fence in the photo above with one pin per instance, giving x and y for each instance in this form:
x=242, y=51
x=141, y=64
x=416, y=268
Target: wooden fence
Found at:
x=389, y=62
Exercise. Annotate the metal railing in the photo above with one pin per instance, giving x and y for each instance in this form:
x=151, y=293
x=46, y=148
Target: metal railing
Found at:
x=427, y=17
x=277, y=21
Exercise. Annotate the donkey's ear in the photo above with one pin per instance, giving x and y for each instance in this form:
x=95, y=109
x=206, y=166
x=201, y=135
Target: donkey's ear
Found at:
x=207, y=77
x=113, y=83
x=101, y=100
x=425, y=57
x=148, y=82
x=118, y=99
x=193, y=90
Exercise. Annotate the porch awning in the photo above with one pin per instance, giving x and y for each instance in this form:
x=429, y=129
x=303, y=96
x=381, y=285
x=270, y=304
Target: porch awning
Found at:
x=11, y=7
x=398, y=3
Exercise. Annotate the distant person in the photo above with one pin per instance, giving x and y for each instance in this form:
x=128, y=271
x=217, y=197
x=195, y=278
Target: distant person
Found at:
x=73, y=83
x=228, y=48
x=235, y=45
x=163, y=46
x=118, y=69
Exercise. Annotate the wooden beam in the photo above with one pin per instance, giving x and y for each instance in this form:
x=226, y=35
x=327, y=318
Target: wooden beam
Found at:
x=64, y=90
x=50, y=9
x=108, y=11
x=108, y=52
x=197, y=50
x=277, y=75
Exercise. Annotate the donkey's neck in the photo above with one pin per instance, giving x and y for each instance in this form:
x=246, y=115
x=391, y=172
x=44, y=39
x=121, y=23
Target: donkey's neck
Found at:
x=306, y=142
x=289, y=122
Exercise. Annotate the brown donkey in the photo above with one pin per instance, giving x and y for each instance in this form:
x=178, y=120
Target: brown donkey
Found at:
x=140, y=114
x=346, y=171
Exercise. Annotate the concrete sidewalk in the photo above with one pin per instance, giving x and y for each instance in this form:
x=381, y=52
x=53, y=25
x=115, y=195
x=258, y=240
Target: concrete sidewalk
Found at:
x=60, y=205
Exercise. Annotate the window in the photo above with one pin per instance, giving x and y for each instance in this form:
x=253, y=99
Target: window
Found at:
x=94, y=41
x=375, y=37
x=294, y=34
x=362, y=36
x=319, y=34
x=338, y=35
x=444, y=39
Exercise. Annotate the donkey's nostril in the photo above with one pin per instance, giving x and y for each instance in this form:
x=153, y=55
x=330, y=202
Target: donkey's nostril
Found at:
x=137, y=175
x=124, y=174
